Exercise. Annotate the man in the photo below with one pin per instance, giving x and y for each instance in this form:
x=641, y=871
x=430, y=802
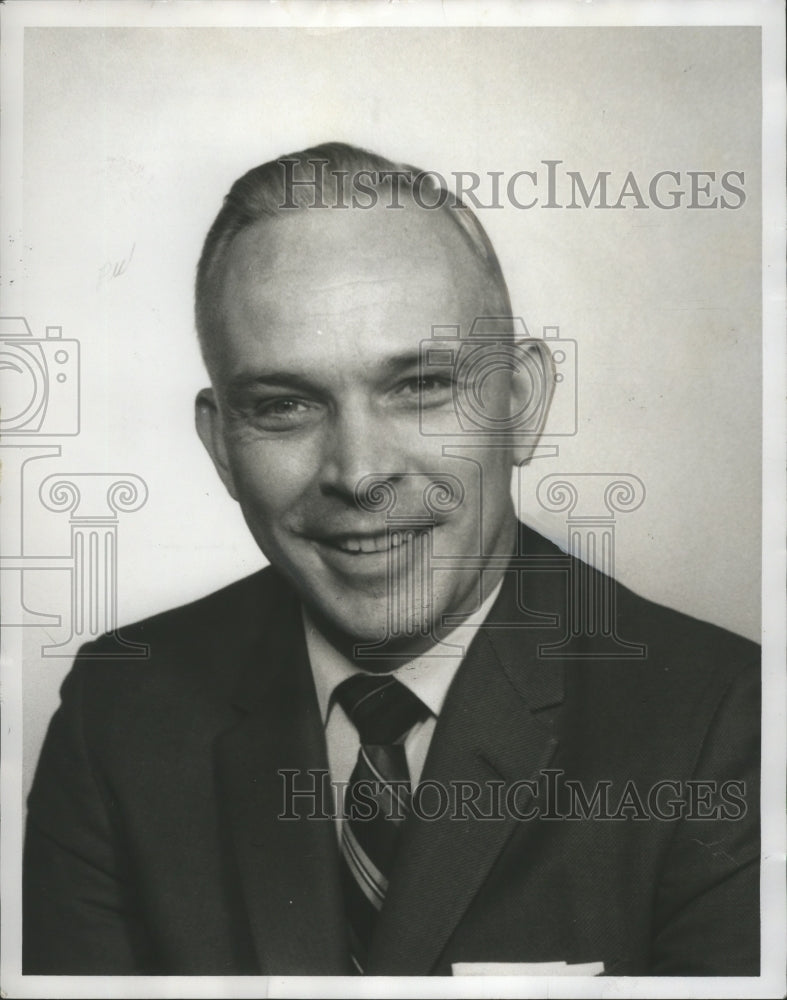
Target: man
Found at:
x=379, y=754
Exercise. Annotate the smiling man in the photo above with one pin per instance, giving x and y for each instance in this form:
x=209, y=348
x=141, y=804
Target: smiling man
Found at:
x=369, y=757
x=313, y=331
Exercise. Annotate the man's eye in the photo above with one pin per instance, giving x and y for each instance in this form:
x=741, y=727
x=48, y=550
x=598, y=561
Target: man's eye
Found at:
x=426, y=386
x=282, y=414
x=283, y=407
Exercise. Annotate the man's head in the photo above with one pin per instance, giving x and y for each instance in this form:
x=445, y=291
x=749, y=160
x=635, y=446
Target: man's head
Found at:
x=315, y=323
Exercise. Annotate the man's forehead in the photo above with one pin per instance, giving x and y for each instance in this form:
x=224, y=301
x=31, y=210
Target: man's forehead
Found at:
x=316, y=292
x=352, y=257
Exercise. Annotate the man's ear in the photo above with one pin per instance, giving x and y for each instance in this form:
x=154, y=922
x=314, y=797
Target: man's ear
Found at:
x=211, y=431
x=533, y=384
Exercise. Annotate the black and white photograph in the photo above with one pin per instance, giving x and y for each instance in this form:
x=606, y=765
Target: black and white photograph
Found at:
x=393, y=499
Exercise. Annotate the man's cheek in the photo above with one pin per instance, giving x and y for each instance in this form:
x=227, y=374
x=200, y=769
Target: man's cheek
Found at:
x=265, y=478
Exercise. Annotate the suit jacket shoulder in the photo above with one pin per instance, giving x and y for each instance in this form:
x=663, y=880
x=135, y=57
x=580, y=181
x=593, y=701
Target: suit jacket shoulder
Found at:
x=153, y=841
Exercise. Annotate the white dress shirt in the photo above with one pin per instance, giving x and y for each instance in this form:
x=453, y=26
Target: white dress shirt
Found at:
x=428, y=677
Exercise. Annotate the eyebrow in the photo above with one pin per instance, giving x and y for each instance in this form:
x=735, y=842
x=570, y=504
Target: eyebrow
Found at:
x=298, y=380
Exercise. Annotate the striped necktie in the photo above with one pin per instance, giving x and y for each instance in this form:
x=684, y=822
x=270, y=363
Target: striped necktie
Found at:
x=378, y=797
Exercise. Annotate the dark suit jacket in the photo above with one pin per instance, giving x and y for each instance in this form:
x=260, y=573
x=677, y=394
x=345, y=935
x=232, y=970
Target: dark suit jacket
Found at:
x=153, y=844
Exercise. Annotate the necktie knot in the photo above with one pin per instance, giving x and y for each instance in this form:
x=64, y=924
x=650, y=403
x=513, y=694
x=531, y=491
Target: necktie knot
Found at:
x=381, y=708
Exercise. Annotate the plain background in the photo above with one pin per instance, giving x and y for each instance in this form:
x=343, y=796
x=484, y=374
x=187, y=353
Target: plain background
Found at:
x=132, y=137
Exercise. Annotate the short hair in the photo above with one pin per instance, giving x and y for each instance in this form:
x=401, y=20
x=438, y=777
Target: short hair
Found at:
x=285, y=184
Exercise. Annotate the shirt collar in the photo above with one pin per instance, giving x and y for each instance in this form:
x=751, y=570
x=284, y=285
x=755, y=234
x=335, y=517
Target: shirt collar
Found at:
x=428, y=676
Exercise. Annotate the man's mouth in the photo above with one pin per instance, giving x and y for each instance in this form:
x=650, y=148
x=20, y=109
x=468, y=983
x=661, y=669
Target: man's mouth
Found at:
x=383, y=541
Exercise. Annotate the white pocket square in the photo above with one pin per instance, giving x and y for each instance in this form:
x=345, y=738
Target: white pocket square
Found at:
x=526, y=969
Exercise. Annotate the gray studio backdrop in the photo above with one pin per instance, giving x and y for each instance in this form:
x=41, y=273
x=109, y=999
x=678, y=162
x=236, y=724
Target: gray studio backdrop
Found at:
x=131, y=139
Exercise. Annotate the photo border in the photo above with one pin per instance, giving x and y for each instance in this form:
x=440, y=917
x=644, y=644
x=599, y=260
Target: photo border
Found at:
x=15, y=17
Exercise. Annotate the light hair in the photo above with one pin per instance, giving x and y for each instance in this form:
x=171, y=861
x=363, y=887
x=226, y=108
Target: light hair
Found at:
x=313, y=176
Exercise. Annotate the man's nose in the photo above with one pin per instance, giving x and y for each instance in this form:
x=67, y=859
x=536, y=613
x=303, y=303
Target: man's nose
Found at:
x=360, y=446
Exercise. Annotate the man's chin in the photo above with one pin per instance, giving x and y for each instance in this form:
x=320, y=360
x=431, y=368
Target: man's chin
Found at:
x=357, y=625
x=370, y=632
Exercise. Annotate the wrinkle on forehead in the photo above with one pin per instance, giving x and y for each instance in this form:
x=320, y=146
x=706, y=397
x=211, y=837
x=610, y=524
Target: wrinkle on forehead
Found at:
x=332, y=249
x=327, y=291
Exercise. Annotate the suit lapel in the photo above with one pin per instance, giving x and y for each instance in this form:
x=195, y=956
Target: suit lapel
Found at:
x=491, y=728
x=288, y=868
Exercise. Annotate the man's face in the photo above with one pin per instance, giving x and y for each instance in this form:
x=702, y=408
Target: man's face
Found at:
x=317, y=387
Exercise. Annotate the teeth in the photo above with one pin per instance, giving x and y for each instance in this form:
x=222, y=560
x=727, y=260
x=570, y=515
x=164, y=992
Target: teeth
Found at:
x=370, y=543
